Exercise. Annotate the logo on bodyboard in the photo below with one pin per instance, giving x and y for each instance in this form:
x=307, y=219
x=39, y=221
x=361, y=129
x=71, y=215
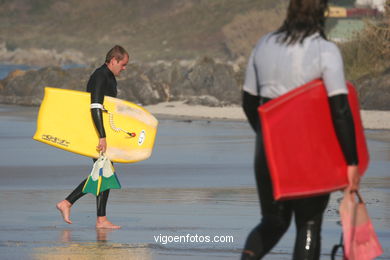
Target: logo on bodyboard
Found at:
x=141, y=137
x=55, y=140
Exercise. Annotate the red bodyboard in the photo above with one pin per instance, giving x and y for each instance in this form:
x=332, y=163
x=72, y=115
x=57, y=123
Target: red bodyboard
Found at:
x=303, y=153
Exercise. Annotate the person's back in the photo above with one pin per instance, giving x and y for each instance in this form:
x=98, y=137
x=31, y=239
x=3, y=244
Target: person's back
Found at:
x=281, y=67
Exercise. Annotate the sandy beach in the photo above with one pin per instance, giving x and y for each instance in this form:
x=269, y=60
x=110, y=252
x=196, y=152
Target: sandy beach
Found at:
x=198, y=183
x=371, y=119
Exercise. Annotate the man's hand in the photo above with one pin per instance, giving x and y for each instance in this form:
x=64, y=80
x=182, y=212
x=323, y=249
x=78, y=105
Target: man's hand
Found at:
x=353, y=177
x=102, y=146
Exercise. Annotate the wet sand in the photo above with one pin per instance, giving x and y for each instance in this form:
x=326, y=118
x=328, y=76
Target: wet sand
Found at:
x=199, y=181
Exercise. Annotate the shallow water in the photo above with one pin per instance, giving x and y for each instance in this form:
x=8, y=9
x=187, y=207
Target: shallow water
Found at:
x=199, y=181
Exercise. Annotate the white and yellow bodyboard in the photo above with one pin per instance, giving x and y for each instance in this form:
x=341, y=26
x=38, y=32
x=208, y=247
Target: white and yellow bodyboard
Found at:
x=65, y=121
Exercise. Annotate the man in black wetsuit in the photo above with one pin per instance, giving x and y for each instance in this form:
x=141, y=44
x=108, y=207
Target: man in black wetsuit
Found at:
x=101, y=83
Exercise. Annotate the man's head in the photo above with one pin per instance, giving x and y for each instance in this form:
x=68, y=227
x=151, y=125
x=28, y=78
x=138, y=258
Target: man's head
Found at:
x=116, y=59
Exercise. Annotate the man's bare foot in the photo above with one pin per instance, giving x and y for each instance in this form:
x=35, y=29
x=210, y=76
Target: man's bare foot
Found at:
x=102, y=222
x=64, y=207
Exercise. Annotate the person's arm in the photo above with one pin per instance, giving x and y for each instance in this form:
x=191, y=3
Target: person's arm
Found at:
x=344, y=127
x=250, y=104
x=333, y=75
x=97, y=116
x=97, y=99
x=345, y=131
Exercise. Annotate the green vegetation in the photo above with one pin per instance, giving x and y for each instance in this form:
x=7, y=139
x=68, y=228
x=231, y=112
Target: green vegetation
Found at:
x=346, y=3
x=368, y=53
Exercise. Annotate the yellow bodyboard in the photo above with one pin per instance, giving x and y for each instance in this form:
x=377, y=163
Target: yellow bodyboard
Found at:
x=65, y=121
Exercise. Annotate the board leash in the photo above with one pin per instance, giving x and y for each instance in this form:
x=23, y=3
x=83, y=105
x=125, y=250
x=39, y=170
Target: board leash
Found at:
x=113, y=126
x=111, y=119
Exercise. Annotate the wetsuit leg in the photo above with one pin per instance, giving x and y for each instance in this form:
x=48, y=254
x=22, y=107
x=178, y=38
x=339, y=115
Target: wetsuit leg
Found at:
x=308, y=219
x=101, y=200
x=76, y=193
x=101, y=203
x=276, y=215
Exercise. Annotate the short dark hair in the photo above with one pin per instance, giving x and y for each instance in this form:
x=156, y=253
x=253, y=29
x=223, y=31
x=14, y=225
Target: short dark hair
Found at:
x=304, y=18
x=117, y=52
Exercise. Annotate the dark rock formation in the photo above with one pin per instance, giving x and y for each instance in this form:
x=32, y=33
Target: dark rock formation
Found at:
x=214, y=84
x=203, y=82
x=140, y=89
x=26, y=88
x=207, y=77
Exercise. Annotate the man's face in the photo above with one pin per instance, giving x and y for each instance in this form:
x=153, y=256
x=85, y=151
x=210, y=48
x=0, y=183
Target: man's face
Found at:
x=116, y=67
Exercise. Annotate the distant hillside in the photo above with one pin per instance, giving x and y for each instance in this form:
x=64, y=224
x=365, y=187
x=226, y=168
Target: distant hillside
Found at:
x=72, y=31
x=196, y=39
x=150, y=30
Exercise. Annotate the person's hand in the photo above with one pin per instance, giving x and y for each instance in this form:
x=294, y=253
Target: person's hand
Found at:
x=353, y=177
x=102, y=146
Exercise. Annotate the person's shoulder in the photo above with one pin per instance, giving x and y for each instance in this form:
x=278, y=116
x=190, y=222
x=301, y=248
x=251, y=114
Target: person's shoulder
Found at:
x=267, y=38
x=99, y=72
x=327, y=45
x=102, y=69
x=330, y=53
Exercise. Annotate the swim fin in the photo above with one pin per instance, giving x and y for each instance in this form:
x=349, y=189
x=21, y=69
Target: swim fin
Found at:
x=102, y=177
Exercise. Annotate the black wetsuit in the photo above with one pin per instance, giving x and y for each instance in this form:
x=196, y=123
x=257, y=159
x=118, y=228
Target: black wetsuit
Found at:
x=308, y=212
x=101, y=83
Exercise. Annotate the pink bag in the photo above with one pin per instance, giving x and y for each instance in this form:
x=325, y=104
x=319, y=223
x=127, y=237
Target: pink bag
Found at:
x=360, y=239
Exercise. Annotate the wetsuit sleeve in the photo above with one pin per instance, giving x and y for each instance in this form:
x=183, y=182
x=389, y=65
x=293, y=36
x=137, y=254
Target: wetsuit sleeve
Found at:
x=344, y=127
x=250, y=104
x=97, y=116
x=97, y=97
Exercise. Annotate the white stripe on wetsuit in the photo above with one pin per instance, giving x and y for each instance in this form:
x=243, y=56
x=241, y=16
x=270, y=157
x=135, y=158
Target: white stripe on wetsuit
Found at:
x=97, y=105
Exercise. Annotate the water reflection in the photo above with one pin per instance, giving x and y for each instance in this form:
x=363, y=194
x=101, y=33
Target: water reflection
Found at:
x=101, y=249
x=101, y=235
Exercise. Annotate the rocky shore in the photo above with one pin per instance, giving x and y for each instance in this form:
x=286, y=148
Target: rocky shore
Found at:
x=206, y=82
